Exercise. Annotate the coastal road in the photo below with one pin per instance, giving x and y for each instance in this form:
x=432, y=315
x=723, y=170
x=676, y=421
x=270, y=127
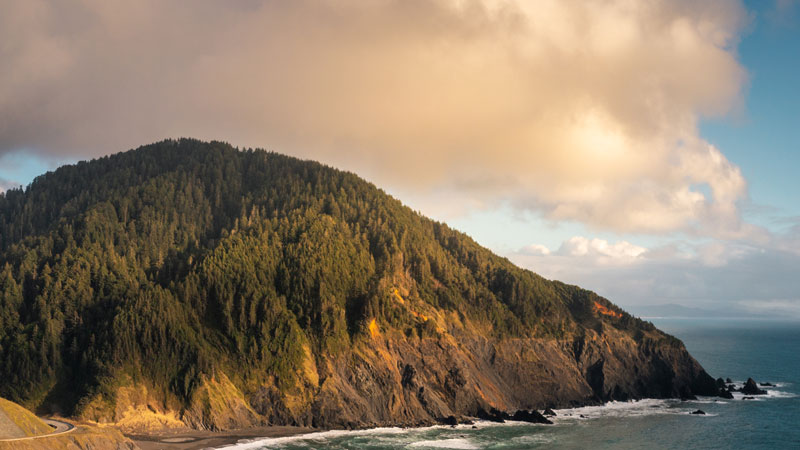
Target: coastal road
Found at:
x=59, y=427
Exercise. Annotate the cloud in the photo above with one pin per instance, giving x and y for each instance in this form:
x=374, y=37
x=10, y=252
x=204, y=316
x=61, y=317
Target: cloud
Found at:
x=784, y=308
x=582, y=111
x=783, y=13
x=581, y=246
x=714, y=275
x=536, y=249
x=7, y=184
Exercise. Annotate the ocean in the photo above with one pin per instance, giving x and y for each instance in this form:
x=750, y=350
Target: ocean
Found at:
x=768, y=351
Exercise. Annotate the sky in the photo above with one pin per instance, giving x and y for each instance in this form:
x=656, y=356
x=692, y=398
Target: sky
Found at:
x=646, y=150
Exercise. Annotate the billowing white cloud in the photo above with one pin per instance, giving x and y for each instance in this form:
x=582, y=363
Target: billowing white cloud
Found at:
x=595, y=251
x=536, y=249
x=584, y=111
x=581, y=246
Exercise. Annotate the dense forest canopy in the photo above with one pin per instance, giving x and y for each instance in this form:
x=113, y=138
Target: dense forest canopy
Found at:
x=181, y=257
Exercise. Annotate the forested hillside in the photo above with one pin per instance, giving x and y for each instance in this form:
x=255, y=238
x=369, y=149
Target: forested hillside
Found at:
x=214, y=287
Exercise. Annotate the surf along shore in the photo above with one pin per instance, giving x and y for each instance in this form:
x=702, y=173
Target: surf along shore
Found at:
x=199, y=439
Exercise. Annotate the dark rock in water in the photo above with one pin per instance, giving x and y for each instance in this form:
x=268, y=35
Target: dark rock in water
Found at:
x=751, y=388
x=530, y=416
x=767, y=384
x=493, y=415
x=449, y=420
x=467, y=422
x=549, y=412
x=501, y=414
x=728, y=381
x=748, y=398
x=732, y=388
x=720, y=383
x=725, y=394
x=474, y=427
x=699, y=412
x=582, y=416
x=686, y=397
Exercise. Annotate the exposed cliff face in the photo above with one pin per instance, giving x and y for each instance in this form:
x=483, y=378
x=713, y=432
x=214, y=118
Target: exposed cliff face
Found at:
x=390, y=379
x=394, y=380
x=191, y=284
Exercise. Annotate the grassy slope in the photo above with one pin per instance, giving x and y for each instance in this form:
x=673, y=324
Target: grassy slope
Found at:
x=84, y=438
x=24, y=419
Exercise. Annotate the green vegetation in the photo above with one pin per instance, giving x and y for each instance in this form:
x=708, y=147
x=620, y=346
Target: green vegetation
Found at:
x=182, y=257
x=26, y=421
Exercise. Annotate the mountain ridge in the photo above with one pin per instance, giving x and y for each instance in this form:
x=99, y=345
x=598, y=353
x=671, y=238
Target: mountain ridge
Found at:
x=193, y=284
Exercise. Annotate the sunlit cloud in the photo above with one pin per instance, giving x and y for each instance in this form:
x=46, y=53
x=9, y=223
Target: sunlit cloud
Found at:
x=580, y=111
x=581, y=246
x=715, y=275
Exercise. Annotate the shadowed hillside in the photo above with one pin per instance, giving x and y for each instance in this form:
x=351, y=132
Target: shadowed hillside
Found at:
x=190, y=283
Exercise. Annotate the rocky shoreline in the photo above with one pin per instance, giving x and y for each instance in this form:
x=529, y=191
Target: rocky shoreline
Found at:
x=198, y=439
x=393, y=382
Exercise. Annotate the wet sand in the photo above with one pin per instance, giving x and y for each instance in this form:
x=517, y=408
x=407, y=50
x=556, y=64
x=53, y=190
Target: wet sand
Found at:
x=195, y=439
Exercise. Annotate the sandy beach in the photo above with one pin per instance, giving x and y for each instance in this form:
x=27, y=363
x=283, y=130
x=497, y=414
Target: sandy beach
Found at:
x=196, y=439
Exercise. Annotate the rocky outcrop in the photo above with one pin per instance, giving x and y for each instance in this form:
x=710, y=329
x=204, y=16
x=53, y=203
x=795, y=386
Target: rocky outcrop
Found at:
x=751, y=388
x=725, y=394
x=531, y=416
x=215, y=405
x=219, y=405
x=493, y=415
x=135, y=408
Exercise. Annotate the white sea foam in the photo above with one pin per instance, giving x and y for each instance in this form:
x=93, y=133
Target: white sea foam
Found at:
x=317, y=436
x=614, y=409
x=707, y=400
x=526, y=441
x=771, y=394
x=645, y=407
x=636, y=408
x=460, y=443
